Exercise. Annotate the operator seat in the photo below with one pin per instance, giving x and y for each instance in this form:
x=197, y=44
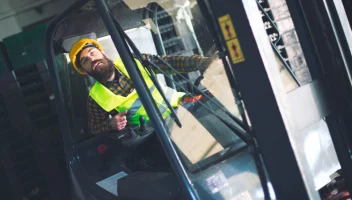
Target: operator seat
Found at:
x=75, y=89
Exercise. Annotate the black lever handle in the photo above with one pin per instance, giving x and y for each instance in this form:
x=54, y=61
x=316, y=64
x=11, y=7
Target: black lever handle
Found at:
x=141, y=123
x=144, y=129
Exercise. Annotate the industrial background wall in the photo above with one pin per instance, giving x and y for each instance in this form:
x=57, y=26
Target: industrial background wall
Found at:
x=32, y=152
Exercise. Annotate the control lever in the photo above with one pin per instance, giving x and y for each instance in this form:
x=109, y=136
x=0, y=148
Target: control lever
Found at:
x=132, y=137
x=143, y=128
x=141, y=123
x=131, y=134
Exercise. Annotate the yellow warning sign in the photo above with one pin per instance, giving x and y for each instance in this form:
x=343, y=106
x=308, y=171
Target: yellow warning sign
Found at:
x=232, y=42
x=235, y=51
x=227, y=27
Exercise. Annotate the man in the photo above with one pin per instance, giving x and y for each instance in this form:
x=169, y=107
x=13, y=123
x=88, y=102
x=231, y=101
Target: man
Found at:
x=114, y=85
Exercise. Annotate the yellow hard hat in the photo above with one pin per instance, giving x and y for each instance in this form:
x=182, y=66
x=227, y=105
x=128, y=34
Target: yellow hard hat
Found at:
x=76, y=49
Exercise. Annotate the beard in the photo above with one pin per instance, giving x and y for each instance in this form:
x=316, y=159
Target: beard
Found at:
x=104, y=71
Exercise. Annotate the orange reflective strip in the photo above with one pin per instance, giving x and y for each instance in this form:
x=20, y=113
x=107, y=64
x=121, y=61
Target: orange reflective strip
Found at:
x=193, y=99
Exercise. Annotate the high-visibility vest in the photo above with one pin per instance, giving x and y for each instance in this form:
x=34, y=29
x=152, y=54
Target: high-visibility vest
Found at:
x=109, y=101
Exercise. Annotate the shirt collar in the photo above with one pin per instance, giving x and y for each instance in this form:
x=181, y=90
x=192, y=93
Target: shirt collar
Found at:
x=116, y=80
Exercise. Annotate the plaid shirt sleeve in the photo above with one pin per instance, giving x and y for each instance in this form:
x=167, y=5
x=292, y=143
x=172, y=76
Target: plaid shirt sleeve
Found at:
x=98, y=118
x=182, y=64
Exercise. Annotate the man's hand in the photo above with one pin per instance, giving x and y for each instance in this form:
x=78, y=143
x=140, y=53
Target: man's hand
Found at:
x=213, y=58
x=119, y=121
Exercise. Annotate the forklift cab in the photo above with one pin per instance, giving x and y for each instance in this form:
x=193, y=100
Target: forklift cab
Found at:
x=104, y=159
x=218, y=163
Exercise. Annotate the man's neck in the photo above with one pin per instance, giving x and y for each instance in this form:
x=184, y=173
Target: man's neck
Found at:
x=112, y=77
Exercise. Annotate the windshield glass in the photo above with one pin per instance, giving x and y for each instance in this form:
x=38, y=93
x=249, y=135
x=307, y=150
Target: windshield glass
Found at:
x=182, y=35
x=175, y=43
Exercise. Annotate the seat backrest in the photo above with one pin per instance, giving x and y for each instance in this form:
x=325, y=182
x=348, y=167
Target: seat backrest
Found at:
x=75, y=89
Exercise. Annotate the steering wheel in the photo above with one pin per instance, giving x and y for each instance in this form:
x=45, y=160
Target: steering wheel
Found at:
x=133, y=136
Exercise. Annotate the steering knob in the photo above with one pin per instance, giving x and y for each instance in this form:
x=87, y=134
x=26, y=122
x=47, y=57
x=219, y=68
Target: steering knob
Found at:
x=137, y=135
x=141, y=123
x=143, y=128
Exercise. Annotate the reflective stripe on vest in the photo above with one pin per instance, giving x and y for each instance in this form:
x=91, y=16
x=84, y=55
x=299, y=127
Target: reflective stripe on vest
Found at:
x=109, y=101
x=137, y=104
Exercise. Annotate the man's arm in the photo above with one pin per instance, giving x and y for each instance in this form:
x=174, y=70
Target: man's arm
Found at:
x=99, y=121
x=182, y=64
x=98, y=118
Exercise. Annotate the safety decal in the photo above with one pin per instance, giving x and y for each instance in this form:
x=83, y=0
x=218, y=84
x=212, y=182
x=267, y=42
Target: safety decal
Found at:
x=232, y=42
x=235, y=51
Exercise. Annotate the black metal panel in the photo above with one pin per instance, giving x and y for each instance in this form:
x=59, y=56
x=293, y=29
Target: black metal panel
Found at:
x=330, y=45
x=20, y=154
x=32, y=163
x=11, y=187
x=336, y=126
x=90, y=21
x=46, y=142
x=348, y=7
x=342, y=30
x=254, y=83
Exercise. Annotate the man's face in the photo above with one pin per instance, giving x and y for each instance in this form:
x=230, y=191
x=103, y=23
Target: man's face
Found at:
x=96, y=64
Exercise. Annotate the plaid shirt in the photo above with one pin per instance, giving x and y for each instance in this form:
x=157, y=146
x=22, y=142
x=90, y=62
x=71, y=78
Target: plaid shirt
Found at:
x=98, y=118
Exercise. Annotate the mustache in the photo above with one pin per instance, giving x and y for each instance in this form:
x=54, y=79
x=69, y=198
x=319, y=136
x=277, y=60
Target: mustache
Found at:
x=95, y=61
